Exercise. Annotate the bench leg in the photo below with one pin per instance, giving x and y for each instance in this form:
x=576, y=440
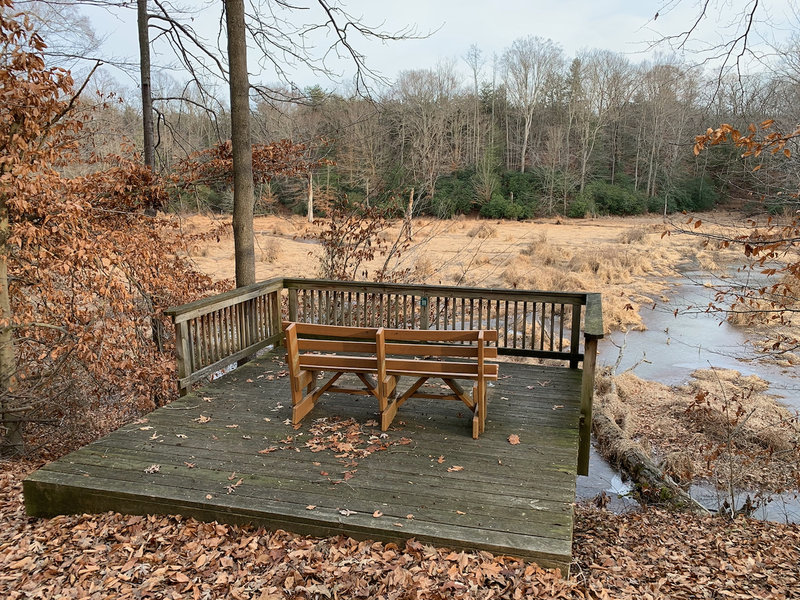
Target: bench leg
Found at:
x=302, y=408
x=387, y=415
x=477, y=414
x=484, y=409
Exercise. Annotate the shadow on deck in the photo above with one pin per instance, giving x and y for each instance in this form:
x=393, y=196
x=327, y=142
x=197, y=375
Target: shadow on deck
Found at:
x=229, y=453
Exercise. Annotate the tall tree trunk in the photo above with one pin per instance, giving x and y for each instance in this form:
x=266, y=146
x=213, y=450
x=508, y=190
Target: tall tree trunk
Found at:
x=243, y=193
x=147, y=95
x=525, y=136
x=409, y=216
x=310, y=197
x=11, y=442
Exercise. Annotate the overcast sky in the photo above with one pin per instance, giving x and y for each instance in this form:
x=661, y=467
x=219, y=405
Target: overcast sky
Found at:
x=626, y=26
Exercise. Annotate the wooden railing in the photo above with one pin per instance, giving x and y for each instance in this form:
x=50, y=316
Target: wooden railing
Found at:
x=216, y=332
x=529, y=323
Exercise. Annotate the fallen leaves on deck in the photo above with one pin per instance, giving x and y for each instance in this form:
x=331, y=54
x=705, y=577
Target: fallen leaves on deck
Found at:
x=649, y=554
x=513, y=439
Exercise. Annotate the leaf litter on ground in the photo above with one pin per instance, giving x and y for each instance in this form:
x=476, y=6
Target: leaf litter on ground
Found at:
x=646, y=554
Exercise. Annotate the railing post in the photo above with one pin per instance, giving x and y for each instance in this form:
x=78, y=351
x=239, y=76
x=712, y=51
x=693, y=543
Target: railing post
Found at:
x=587, y=398
x=293, y=304
x=183, y=355
x=276, y=325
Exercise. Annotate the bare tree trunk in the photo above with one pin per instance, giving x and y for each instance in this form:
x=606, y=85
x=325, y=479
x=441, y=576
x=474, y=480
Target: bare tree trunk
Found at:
x=147, y=95
x=528, y=123
x=11, y=442
x=243, y=193
x=310, y=197
x=409, y=213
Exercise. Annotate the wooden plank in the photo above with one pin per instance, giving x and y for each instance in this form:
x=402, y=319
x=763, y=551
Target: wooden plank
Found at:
x=335, y=331
x=456, y=370
x=593, y=319
x=441, y=335
x=587, y=395
x=347, y=346
x=545, y=517
x=327, y=362
x=428, y=349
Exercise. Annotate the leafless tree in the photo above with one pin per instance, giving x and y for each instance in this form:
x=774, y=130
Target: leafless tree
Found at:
x=530, y=63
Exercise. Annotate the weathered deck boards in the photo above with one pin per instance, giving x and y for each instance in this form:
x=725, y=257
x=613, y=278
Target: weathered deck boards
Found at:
x=507, y=499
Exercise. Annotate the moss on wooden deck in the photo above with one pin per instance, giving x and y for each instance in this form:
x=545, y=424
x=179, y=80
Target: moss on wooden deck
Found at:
x=229, y=453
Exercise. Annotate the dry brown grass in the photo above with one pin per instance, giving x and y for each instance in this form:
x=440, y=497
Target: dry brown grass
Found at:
x=634, y=235
x=270, y=251
x=483, y=231
x=691, y=427
x=514, y=276
x=423, y=268
x=679, y=465
x=573, y=256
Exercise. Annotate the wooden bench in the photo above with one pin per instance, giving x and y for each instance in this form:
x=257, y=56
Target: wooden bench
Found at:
x=380, y=357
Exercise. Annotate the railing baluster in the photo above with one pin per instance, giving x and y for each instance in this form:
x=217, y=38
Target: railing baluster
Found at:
x=552, y=324
x=543, y=324
x=524, y=323
x=505, y=321
x=217, y=335
x=205, y=340
x=226, y=336
x=514, y=326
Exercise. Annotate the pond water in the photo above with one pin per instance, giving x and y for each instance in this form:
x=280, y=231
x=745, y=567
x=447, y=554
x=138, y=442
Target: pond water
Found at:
x=672, y=347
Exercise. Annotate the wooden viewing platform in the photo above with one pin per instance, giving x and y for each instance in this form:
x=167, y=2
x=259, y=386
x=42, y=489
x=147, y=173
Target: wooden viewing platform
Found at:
x=228, y=451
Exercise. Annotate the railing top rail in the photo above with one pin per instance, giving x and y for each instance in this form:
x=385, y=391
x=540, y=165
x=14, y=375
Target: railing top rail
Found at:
x=576, y=298
x=212, y=303
x=593, y=319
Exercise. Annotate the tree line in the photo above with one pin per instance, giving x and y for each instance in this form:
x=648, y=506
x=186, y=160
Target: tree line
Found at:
x=533, y=132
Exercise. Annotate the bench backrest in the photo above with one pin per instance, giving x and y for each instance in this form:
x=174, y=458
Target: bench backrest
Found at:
x=333, y=338
x=448, y=343
x=397, y=342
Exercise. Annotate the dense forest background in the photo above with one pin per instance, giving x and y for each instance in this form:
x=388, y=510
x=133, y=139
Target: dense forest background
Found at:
x=533, y=132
